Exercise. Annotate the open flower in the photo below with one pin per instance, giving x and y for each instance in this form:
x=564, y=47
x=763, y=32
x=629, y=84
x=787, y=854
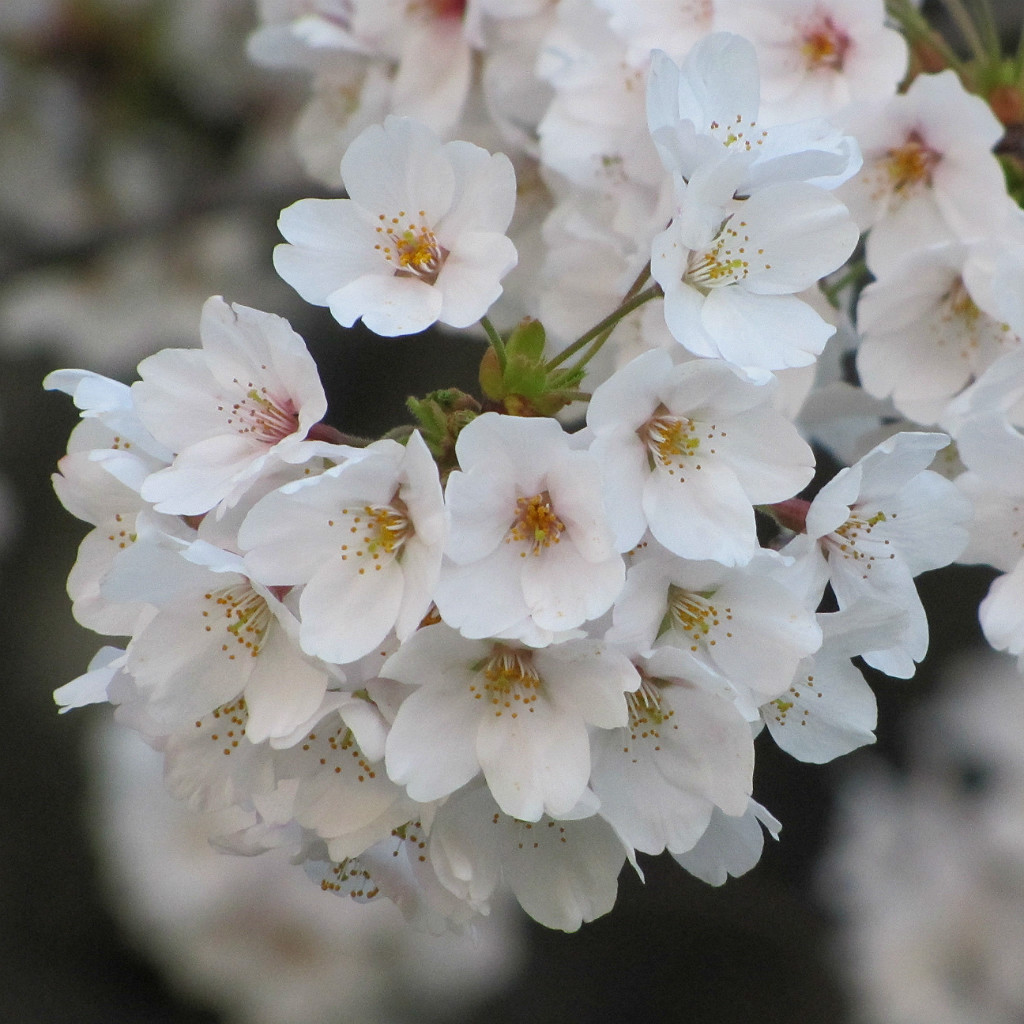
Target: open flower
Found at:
x=687, y=451
x=242, y=404
x=420, y=240
x=364, y=537
x=519, y=715
x=530, y=553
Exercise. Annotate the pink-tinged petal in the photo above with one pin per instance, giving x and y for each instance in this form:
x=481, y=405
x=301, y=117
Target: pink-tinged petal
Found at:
x=589, y=678
x=623, y=459
x=628, y=398
x=246, y=347
x=332, y=243
x=486, y=192
x=483, y=598
x=482, y=510
x=564, y=872
x=204, y=474
x=702, y=514
x=399, y=166
x=469, y=280
x=770, y=332
x=421, y=569
x=173, y=398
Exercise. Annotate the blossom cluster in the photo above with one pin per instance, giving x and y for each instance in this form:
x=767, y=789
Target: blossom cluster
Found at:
x=526, y=638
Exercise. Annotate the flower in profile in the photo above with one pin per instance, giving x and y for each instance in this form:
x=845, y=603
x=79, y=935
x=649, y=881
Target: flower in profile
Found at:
x=419, y=240
x=242, y=404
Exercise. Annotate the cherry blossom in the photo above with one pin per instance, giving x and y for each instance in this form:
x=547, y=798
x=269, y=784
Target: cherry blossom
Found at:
x=879, y=523
x=530, y=553
x=517, y=714
x=363, y=539
x=231, y=410
x=687, y=451
x=420, y=240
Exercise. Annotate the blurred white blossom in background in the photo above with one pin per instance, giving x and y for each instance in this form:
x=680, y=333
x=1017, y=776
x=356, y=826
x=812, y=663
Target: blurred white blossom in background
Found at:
x=926, y=870
x=252, y=937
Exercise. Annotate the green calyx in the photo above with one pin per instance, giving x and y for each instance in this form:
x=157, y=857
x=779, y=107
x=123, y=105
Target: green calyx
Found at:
x=521, y=383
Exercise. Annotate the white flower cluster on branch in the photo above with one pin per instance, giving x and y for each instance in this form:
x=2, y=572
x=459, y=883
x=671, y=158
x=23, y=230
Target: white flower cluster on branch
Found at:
x=520, y=641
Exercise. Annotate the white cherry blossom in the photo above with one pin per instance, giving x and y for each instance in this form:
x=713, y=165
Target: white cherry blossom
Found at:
x=687, y=451
x=685, y=750
x=705, y=114
x=230, y=411
x=929, y=173
x=924, y=334
x=419, y=240
x=517, y=714
x=829, y=708
x=363, y=539
x=741, y=625
x=215, y=636
x=562, y=872
x=530, y=553
x=730, y=269
x=876, y=525
x=817, y=57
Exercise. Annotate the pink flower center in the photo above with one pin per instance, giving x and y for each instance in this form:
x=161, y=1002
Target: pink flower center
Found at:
x=258, y=415
x=824, y=44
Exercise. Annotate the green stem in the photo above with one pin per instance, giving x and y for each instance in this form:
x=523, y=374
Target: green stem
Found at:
x=857, y=272
x=1018, y=57
x=989, y=30
x=497, y=342
x=606, y=325
x=965, y=23
x=917, y=29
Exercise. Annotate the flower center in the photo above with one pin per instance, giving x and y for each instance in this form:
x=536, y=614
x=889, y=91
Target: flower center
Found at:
x=260, y=416
x=669, y=440
x=960, y=303
x=510, y=680
x=225, y=726
x=374, y=532
x=725, y=261
x=824, y=44
x=647, y=713
x=413, y=251
x=911, y=164
x=853, y=540
x=738, y=133
x=440, y=8
x=248, y=618
x=536, y=523
x=695, y=616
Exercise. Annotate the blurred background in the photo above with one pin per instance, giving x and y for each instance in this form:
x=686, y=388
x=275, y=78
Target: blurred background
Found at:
x=143, y=163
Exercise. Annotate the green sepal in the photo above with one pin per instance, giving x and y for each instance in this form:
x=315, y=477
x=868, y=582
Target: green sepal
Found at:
x=526, y=387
